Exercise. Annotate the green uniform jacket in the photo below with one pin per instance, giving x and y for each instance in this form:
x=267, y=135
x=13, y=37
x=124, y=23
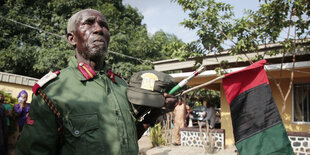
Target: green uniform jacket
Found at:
x=96, y=116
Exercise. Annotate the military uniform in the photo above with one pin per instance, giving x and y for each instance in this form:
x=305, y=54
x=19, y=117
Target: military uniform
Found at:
x=95, y=112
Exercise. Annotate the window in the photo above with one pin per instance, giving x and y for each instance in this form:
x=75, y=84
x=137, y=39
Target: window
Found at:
x=301, y=101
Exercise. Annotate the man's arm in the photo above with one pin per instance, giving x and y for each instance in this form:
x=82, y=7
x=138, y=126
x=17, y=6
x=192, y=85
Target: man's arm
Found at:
x=208, y=114
x=150, y=119
x=39, y=135
x=3, y=128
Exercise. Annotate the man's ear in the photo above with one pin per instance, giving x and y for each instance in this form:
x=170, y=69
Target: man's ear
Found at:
x=70, y=39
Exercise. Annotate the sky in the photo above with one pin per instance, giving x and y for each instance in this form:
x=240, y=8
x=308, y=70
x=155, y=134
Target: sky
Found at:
x=166, y=15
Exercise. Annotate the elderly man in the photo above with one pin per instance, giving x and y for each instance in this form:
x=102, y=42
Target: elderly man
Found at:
x=83, y=109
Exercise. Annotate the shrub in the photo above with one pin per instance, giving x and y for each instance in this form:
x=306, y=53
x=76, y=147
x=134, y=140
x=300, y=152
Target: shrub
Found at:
x=156, y=136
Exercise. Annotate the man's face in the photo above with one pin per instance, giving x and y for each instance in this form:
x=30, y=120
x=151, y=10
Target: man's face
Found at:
x=1, y=98
x=92, y=35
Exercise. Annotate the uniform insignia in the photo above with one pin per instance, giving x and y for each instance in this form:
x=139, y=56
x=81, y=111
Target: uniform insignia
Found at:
x=148, y=81
x=48, y=77
x=86, y=70
x=112, y=75
x=29, y=121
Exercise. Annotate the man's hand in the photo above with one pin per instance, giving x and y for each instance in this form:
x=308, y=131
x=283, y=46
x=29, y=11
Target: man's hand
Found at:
x=151, y=118
x=170, y=102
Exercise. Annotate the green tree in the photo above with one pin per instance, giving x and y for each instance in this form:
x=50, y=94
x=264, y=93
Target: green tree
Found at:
x=32, y=36
x=216, y=24
x=212, y=97
x=162, y=44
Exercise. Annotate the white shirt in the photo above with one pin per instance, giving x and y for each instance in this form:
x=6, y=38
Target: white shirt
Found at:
x=210, y=116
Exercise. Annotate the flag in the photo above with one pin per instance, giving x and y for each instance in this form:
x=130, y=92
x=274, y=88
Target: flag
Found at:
x=257, y=124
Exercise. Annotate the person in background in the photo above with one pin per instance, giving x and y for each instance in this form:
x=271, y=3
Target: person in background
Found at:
x=181, y=112
x=22, y=109
x=3, y=131
x=8, y=114
x=209, y=115
x=8, y=109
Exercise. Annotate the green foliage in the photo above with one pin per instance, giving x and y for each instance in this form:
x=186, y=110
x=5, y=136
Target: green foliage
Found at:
x=210, y=18
x=9, y=99
x=156, y=136
x=200, y=95
x=34, y=43
x=223, y=65
x=197, y=104
x=216, y=24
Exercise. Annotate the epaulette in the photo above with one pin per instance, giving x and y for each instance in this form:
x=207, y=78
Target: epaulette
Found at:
x=46, y=78
x=112, y=75
x=86, y=70
x=37, y=91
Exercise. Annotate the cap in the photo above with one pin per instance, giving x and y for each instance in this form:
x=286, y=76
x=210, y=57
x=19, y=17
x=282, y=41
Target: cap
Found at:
x=146, y=88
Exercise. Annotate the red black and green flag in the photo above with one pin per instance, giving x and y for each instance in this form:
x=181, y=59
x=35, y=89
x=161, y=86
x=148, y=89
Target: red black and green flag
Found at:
x=257, y=124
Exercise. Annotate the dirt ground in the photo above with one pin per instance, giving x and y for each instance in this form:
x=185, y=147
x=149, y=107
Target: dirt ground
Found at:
x=145, y=148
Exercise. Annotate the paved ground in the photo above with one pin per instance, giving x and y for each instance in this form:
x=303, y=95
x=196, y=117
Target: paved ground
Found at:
x=145, y=148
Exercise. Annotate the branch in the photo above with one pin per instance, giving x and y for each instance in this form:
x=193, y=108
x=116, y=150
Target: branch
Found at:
x=218, y=60
x=251, y=62
x=288, y=35
x=298, y=71
x=203, y=85
x=291, y=82
x=292, y=73
x=275, y=81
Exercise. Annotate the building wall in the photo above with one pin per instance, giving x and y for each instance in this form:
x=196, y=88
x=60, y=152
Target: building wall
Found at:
x=14, y=89
x=286, y=115
x=226, y=120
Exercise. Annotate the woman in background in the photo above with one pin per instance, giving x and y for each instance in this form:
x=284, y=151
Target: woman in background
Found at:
x=22, y=108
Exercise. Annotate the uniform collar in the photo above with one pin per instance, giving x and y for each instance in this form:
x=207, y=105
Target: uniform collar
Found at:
x=85, y=75
x=83, y=71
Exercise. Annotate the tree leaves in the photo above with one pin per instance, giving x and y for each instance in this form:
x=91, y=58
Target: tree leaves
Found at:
x=215, y=24
x=33, y=42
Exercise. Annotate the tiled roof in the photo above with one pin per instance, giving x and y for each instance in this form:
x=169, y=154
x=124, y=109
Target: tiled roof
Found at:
x=17, y=79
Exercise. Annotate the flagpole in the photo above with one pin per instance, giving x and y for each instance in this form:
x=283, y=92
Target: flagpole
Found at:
x=203, y=85
x=185, y=81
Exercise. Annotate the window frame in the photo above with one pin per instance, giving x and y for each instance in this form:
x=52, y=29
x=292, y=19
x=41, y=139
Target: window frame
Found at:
x=293, y=103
